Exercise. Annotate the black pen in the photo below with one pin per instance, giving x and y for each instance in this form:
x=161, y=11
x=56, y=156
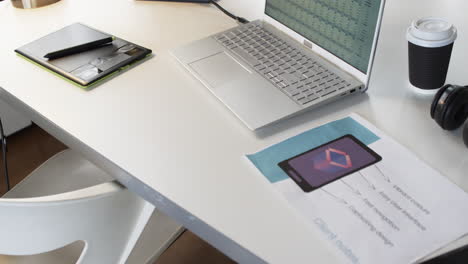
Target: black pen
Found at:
x=79, y=48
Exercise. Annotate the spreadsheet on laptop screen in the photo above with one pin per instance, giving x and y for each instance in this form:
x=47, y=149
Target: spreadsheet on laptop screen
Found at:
x=345, y=28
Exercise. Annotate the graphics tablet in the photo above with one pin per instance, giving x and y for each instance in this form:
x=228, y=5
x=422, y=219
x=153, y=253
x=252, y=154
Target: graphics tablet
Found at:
x=87, y=68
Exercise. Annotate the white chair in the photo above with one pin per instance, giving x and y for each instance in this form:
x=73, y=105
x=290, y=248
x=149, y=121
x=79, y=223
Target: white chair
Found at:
x=69, y=211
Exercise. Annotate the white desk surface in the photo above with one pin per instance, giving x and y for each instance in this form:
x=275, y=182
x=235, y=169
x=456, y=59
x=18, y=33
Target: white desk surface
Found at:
x=157, y=123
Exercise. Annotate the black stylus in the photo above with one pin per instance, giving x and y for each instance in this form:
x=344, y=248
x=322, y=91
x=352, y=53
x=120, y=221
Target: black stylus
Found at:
x=77, y=49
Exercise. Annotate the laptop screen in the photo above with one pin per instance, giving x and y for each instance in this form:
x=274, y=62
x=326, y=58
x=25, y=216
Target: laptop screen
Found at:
x=345, y=28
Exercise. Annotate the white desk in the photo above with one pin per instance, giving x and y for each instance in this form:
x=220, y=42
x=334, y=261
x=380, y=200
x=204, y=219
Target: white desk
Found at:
x=164, y=136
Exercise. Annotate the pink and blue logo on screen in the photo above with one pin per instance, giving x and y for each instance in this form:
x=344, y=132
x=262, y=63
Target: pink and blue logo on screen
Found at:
x=332, y=160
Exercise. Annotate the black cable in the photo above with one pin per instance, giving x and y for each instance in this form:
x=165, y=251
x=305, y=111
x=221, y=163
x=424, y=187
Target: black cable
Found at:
x=238, y=19
x=4, y=154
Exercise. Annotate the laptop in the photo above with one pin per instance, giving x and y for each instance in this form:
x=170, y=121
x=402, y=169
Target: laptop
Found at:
x=301, y=55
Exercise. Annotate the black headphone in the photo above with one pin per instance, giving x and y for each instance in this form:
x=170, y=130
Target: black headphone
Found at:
x=450, y=108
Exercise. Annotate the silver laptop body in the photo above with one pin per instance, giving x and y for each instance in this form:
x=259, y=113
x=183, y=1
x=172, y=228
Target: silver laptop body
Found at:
x=265, y=71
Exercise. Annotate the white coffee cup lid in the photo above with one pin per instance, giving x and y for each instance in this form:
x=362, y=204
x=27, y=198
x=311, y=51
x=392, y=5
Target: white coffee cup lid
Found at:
x=431, y=32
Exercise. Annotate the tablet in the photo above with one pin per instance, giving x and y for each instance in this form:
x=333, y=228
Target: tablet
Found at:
x=88, y=68
x=329, y=162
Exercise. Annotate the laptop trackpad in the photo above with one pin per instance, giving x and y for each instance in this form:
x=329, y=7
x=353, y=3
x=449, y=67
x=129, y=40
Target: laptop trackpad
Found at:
x=219, y=69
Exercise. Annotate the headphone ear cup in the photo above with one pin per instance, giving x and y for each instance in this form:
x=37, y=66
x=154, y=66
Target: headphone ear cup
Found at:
x=442, y=102
x=456, y=109
x=437, y=97
x=465, y=134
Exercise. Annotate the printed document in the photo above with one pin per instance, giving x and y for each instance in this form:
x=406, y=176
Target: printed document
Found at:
x=368, y=196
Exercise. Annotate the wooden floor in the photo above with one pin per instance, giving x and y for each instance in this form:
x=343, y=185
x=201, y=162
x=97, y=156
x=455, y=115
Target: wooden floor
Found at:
x=32, y=146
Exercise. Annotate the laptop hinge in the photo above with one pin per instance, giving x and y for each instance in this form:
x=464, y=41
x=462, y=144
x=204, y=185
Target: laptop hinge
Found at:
x=307, y=43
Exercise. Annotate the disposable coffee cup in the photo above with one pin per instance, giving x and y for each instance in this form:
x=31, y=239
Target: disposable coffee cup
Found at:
x=430, y=43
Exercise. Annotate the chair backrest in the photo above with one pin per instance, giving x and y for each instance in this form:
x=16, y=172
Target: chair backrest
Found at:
x=107, y=217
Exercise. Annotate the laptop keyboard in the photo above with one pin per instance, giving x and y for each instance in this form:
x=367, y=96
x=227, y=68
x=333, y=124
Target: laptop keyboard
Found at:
x=300, y=77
